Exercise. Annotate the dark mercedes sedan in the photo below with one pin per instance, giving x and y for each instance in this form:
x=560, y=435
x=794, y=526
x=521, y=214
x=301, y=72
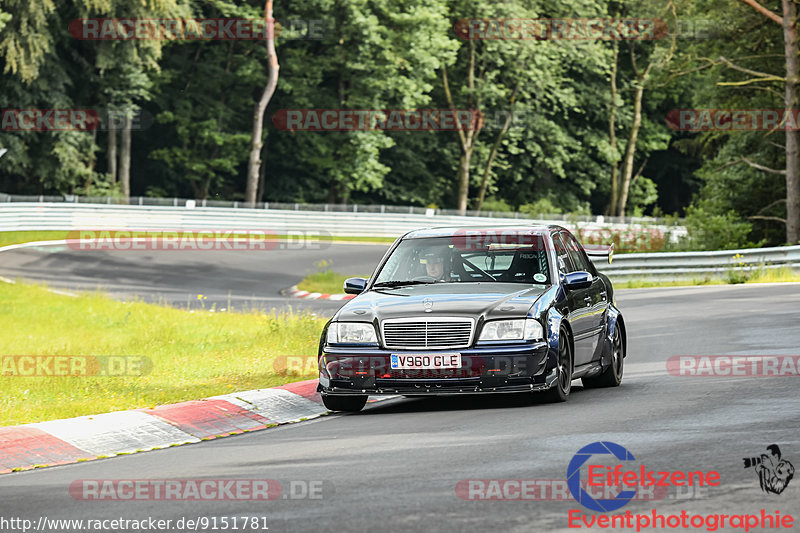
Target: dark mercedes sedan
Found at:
x=472, y=311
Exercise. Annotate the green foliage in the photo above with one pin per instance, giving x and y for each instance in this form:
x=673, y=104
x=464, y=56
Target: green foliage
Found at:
x=555, y=157
x=710, y=230
x=644, y=193
x=194, y=354
x=4, y=18
x=542, y=206
x=496, y=204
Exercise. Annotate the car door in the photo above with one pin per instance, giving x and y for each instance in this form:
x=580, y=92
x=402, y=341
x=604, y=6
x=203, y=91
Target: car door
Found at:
x=595, y=297
x=579, y=307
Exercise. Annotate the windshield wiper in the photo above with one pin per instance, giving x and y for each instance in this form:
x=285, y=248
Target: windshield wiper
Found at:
x=398, y=283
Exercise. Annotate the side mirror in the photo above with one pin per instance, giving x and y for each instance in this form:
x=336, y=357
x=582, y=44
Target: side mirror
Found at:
x=578, y=280
x=354, y=285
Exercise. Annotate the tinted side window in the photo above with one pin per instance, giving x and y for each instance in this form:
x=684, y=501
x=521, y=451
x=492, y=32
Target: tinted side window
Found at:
x=562, y=255
x=577, y=255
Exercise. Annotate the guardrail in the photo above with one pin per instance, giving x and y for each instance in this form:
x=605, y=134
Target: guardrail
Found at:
x=143, y=201
x=699, y=265
x=20, y=216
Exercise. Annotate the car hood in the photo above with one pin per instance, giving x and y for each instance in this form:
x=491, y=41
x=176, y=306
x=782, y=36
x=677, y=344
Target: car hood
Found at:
x=487, y=300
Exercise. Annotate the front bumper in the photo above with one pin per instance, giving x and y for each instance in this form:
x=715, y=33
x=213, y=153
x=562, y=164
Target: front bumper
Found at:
x=346, y=371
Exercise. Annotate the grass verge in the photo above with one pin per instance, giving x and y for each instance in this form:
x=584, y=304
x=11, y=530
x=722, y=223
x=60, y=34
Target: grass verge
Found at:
x=761, y=275
x=326, y=282
x=329, y=282
x=194, y=354
x=18, y=237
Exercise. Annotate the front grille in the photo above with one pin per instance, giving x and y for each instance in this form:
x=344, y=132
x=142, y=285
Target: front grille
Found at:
x=439, y=332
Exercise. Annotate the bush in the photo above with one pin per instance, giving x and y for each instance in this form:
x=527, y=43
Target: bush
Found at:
x=709, y=231
x=542, y=206
x=496, y=204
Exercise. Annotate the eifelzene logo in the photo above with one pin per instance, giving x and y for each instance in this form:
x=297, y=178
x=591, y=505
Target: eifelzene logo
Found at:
x=631, y=480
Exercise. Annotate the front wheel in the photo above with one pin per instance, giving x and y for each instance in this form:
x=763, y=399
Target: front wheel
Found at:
x=351, y=404
x=559, y=392
x=612, y=376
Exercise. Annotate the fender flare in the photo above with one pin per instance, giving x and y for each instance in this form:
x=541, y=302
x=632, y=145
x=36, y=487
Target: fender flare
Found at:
x=554, y=322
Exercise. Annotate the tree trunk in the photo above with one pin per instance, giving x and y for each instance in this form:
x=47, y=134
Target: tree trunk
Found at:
x=495, y=147
x=125, y=156
x=492, y=154
x=612, y=133
x=262, y=182
x=463, y=178
x=792, y=136
x=466, y=139
x=467, y=144
x=630, y=149
x=87, y=186
x=261, y=107
x=112, y=150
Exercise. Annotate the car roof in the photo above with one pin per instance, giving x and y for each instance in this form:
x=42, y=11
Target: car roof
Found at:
x=451, y=231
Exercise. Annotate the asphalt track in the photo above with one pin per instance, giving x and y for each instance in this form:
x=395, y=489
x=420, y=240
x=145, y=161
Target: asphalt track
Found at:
x=396, y=465
x=237, y=279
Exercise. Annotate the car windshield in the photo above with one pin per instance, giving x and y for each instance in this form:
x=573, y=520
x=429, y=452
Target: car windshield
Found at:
x=459, y=260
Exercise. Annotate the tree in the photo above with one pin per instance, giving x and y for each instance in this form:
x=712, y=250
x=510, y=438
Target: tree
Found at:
x=789, y=25
x=537, y=97
x=656, y=56
x=371, y=55
x=258, y=113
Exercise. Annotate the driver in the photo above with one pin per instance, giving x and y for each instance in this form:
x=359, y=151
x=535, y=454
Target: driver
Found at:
x=435, y=264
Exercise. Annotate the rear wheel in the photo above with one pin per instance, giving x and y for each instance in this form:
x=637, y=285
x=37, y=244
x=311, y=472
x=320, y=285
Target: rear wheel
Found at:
x=345, y=403
x=612, y=376
x=559, y=392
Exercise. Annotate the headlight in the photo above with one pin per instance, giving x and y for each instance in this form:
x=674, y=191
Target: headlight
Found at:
x=351, y=333
x=526, y=329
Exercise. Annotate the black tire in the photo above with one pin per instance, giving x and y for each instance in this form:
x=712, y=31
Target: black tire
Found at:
x=351, y=404
x=559, y=392
x=612, y=376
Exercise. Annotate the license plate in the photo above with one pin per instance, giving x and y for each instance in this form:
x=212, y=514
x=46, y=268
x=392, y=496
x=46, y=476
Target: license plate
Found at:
x=425, y=361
